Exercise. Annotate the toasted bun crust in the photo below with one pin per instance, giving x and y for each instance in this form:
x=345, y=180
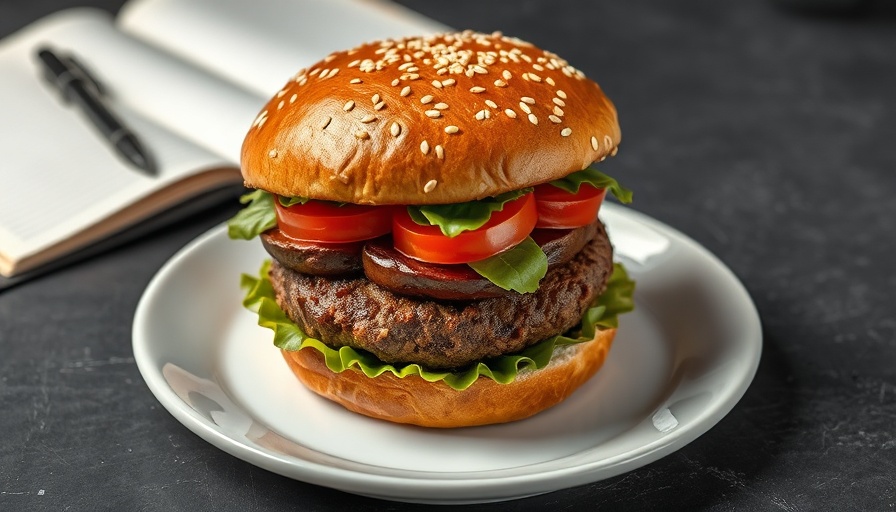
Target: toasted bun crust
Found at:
x=433, y=404
x=442, y=119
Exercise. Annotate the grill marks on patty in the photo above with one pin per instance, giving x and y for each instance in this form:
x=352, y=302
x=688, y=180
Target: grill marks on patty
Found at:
x=441, y=335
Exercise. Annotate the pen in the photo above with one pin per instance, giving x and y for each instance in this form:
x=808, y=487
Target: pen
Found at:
x=79, y=88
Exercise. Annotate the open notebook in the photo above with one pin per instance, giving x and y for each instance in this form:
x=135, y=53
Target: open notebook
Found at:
x=188, y=76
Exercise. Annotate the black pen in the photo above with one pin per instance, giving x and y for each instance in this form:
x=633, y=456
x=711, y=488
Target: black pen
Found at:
x=72, y=82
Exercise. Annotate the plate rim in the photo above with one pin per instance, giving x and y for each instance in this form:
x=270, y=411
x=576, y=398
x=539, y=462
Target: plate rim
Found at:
x=478, y=486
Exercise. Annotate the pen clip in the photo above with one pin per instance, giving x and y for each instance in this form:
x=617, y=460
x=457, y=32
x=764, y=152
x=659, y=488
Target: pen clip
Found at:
x=81, y=72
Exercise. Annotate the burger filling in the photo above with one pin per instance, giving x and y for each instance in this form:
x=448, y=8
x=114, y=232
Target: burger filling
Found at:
x=447, y=292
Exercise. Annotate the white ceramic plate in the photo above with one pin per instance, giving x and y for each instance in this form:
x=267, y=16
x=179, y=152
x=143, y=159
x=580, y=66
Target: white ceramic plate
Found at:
x=680, y=362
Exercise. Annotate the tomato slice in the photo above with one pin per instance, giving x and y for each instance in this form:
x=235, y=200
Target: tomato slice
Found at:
x=319, y=221
x=503, y=230
x=559, y=209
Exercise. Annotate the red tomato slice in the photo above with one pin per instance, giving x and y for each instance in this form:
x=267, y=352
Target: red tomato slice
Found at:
x=559, y=209
x=318, y=221
x=503, y=230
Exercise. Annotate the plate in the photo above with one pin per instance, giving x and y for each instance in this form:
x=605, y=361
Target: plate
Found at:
x=679, y=363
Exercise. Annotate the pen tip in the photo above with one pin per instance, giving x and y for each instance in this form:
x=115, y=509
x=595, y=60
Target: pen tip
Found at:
x=136, y=154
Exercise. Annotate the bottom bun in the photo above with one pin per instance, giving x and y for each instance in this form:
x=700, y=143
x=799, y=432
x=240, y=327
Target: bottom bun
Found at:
x=435, y=404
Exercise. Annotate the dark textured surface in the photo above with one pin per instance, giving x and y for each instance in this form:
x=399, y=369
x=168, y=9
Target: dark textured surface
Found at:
x=765, y=135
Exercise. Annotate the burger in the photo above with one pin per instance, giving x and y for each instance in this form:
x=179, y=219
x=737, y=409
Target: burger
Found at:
x=431, y=212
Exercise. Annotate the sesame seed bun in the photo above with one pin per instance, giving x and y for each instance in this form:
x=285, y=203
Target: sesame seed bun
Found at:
x=442, y=119
x=433, y=404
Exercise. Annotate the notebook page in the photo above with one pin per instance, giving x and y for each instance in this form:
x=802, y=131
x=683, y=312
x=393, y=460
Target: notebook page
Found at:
x=260, y=44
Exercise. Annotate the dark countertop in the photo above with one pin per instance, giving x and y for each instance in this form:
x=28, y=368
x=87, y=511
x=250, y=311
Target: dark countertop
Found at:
x=767, y=136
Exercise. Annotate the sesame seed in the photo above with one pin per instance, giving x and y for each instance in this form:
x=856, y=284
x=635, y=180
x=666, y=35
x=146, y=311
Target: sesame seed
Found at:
x=500, y=83
x=614, y=151
x=406, y=90
x=440, y=152
x=477, y=89
x=526, y=99
x=451, y=129
x=442, y=71
x=437, y=84
x=510, y=113
x=354, y=63
x=350, y=104
x=491, y=103
x=426, y=99
x=424, y=147
x=292, y=99
x=525, y=76
x=608, y=141
x=375, y=99
x=405, y=66
x=430, y=186
x=325, y=123
x=369, y=118
x=534, y=77
x=594, y=143
x=537, y=67
x=272, y=153
x=525, y=108
x=395, y=129
x=395, y=82
x=480, y=115
x=379, y=106
x=355, y=81
x=561, y=94
x=449, y=82
x=554, y=119
x=433, y=114
x=506, y=74
x=550, y=81
x=558, y=111
x=260, y=119
x=566, y=132
x=441, y=106
x=280, y=105
x=281, y=92
x=361, y=134
x=559, y=102
x=533, y=119
x=479, y=69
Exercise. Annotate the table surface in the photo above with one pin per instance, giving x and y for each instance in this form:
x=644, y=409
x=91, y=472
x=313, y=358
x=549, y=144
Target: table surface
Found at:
x=767, y=135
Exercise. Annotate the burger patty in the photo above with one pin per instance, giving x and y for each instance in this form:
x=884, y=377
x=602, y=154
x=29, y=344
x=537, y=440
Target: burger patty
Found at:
x=358, y=313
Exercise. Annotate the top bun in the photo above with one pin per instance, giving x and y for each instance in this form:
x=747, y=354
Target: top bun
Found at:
x=441, y=119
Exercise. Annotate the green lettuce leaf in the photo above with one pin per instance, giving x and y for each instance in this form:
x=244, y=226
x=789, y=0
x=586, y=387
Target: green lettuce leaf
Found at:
x=616, y=300
x=574, y=181
x=519, y=268
x=286, y=202
x=254, y=219
x=454, y=219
